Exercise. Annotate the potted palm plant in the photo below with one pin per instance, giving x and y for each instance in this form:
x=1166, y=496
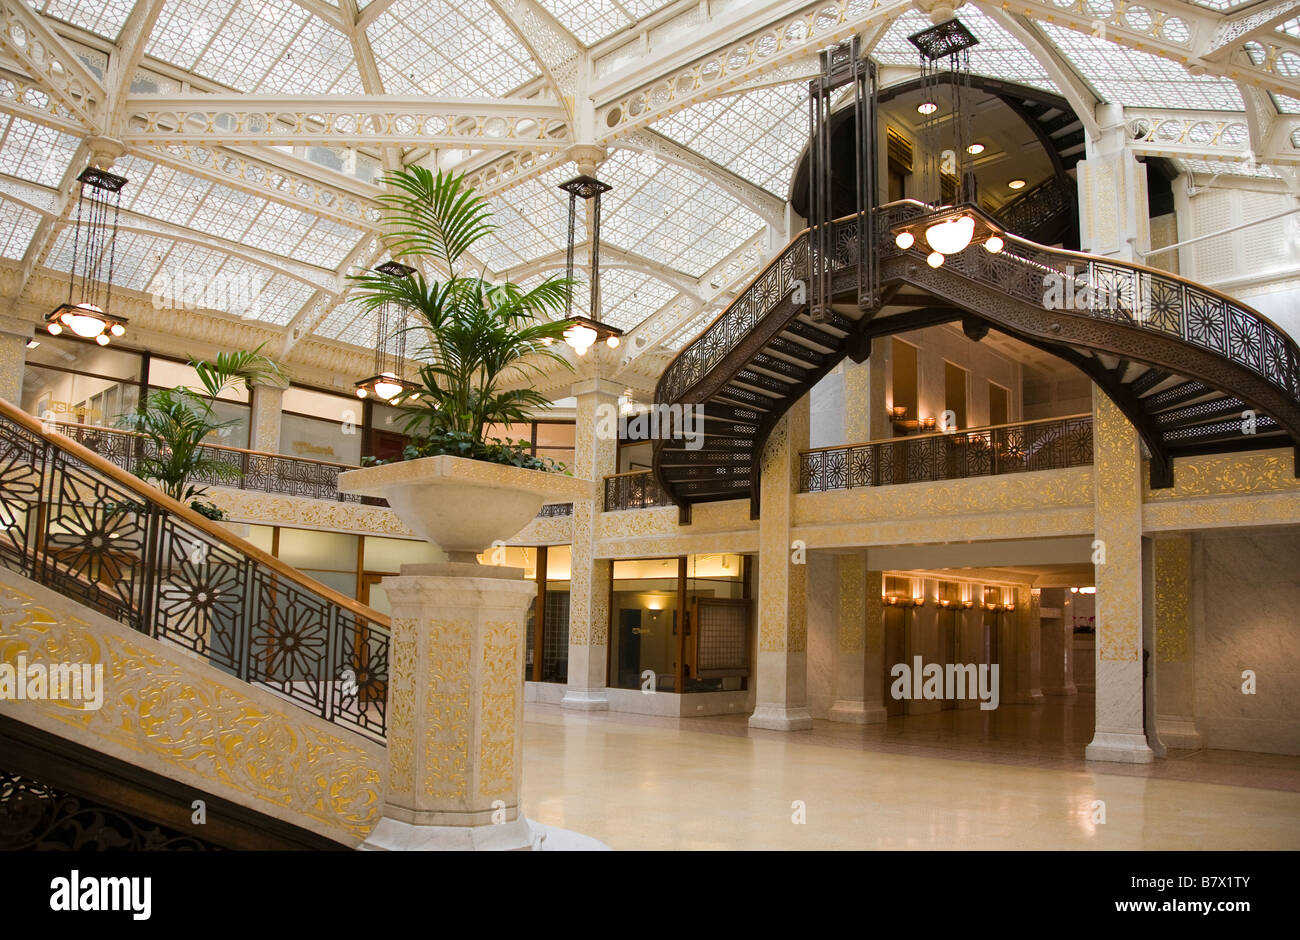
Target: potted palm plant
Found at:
x=176, y=422
x=479, y=340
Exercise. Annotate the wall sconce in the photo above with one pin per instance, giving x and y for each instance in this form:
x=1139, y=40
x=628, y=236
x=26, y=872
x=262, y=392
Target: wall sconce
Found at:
x=902, y=600
x=1008, y=607
x=898, y=412
x=991, y=606
x=928, y=424
x=967, y=604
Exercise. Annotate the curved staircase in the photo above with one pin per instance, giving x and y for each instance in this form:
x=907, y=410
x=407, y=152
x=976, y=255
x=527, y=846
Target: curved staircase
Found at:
x=1194, y=370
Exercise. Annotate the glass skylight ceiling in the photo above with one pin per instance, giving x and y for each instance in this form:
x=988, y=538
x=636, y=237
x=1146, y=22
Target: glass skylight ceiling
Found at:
x=670, y=215
x=1140, y=79
x=592, y=20
x=461, y=49
x=628, y=297
x=104, y=17
x=269, y=46
x=17, y=226
x=34, y=153
x=757, y=135
x=663, y=212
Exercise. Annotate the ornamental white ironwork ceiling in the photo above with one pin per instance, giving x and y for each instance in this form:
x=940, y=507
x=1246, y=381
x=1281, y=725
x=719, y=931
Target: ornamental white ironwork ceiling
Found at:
x=701, y=108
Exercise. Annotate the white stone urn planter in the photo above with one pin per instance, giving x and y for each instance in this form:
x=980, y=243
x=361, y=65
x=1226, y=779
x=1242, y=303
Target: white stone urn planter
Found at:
x=463, y=506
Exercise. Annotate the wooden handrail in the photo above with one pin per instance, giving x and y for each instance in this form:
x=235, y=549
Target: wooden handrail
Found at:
x=154, y=495
x=626, y=473
x=918, y=437
x=235, y=450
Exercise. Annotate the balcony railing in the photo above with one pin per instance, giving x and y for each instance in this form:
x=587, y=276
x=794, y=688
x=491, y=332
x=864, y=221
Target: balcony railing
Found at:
x=636, y=490
x=258, y=470
x=1050, y=444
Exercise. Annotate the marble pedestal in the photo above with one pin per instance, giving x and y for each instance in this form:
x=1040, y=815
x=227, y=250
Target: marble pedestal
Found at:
x=455, y=710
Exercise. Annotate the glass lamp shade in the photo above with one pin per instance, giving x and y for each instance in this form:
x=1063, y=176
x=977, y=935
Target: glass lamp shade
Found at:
x=386, y=390
x=85, y=320
x=580, y=337
x=905, y=240
x=951, y=235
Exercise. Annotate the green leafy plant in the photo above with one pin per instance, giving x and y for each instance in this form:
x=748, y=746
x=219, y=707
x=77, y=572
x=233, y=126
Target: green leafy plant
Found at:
x=179, y=421
x=481, y=340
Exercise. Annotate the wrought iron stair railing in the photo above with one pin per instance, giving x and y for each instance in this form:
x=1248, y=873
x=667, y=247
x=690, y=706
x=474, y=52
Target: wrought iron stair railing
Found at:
x=77, y=523
x=1049, y=444
x=635, y=490
x=1184, y=362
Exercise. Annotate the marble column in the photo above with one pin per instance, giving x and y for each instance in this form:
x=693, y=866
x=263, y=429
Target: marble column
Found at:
x=1057, y=648
x=849, y=656
x=1113, y=215
x=1175, y=659
x=1120, y=733
x=266, y=409
x=595, y=456
x=15, y=334
x=781, y=678
x=455, y=710
x=1029, y=645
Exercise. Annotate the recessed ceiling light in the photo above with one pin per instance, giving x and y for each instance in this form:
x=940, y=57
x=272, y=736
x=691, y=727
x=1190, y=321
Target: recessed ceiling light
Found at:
x=975, y=149
x=927, y=107
x=1016, y=184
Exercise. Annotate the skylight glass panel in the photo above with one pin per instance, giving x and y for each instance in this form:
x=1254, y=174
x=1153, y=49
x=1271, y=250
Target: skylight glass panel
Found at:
x=1139, y=79
x=103, y=17
x=17, y=226
x=998, y=55
x=670, y=215
x=1291, y=27
x=757, y=135
x=281, y=299
x=135, y=257
x=270, y=46
x=349, y=322
x=532, y=220
x=1221, y=5
x=589, y=20
x=34, y=153
x=628, y=297
x=1228, y=168
x=1286, y=105
x=433, y=47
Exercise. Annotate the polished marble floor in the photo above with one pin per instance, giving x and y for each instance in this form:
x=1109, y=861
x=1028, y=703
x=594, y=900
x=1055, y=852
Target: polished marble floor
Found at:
x=952, y=780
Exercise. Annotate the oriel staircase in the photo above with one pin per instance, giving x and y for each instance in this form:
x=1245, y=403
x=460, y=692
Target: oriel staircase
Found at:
x=1194, y=370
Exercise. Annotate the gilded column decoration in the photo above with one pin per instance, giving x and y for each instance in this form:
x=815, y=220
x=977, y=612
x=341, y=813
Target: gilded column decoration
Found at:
x=1120, y=732
x=403, y=653
x=783, y=583
x=1175, y=653
x=502, y=666
x=447, y=709
x=1173, y=561
x=853, y=583
x=171, y=713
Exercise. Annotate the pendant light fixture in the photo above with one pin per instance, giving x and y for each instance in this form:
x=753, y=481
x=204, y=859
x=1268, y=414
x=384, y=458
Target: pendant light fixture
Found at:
x=90, y=280
x=583, y=332
x=387, y=384
x=955, y=223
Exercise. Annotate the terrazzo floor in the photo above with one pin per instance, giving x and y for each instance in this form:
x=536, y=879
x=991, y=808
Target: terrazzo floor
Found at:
x=1012, y=779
